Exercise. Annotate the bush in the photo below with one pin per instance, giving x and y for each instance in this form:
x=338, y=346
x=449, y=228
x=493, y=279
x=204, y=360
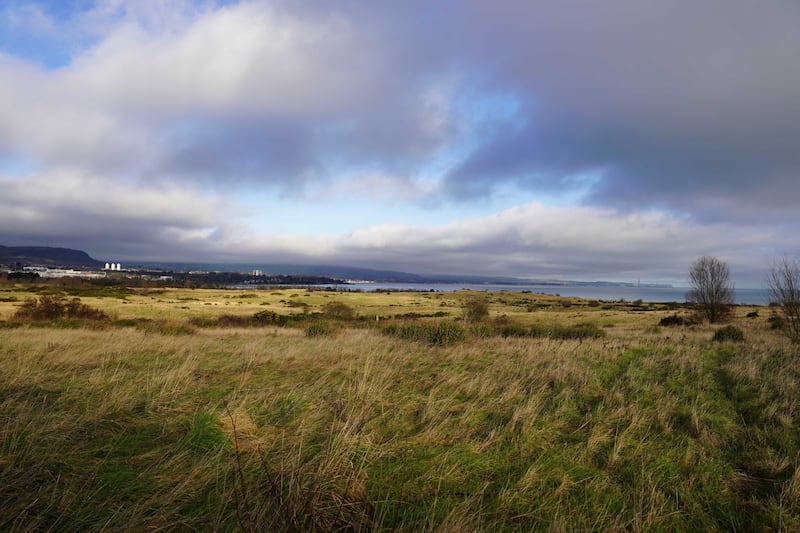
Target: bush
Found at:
x=131, y=322
x=729, y=333
x=475, y=309
x=56, y=307
x=776, y=323
x=234, y=321
x=673, y=320
x=433, y=333
x=163, y=326
x=515, y=330
x=261, y=318
x=269, y=317
x=447, y=333
x=482, y=330
x=338, y=311
x=319, y=329
x=579, y=331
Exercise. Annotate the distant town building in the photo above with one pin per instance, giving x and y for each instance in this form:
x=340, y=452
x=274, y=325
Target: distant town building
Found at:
x=46, y=272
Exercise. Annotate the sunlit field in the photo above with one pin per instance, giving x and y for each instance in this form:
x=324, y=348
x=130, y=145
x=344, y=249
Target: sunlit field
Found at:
x=292, y=409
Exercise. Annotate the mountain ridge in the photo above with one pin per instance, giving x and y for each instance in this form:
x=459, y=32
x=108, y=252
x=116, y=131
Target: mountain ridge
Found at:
x=47, y=256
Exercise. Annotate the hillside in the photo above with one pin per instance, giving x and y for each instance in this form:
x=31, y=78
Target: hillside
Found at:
x=46, y=255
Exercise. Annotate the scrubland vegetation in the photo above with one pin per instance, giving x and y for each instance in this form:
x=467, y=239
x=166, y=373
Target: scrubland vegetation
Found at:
x=294, y=410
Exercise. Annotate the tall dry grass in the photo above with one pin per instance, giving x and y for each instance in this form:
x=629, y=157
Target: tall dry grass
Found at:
x=644, y=429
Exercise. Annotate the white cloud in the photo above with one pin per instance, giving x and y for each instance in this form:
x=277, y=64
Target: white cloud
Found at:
x=55, y=201
x=248, y=58
x=530, y=240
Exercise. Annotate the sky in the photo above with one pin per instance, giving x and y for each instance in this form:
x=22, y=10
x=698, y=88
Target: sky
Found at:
x=568, y=139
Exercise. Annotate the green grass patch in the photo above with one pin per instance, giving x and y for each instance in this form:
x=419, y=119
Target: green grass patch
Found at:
x=442, y=333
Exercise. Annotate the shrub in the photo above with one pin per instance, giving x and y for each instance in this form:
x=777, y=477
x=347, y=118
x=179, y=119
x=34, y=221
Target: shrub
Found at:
x=205, y=322
x=338, y=311
x=433, y=333
x=475, y=309
x=130, y=322
x=319, y=328
x=578, y=331
x=729, y=333
x=269, y=317
x=502, y=320
x=163, y=326
x=446, y=333
x=294, y=303
x=234, y=321
x=56, y=307
x=673, y=320
x=42, y=308
x=482, y=330
x=515, y=330
x=776, y=322
x=261, y=318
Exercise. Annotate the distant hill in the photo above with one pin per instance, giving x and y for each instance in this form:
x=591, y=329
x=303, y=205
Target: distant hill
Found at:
x=47, y=256
x=333, y=271
x=341, y=272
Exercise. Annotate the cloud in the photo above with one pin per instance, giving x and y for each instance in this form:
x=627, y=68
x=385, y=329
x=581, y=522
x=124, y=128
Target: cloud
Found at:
x=672, y=126
x=100, y=214
x=680, y=104
x=139, y=222
x=252, y=91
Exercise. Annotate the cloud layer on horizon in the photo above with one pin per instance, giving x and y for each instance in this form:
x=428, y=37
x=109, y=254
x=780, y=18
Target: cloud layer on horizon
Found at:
x=677, y=121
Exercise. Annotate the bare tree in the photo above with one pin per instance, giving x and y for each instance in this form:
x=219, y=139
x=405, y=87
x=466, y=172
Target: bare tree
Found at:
x=711, y=287
x=783, y=282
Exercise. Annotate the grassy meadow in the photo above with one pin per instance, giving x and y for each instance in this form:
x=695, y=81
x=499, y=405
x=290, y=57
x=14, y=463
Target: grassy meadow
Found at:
x=299, y=410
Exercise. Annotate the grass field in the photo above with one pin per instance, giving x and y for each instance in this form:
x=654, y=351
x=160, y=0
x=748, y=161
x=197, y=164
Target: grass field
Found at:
x=550, y=414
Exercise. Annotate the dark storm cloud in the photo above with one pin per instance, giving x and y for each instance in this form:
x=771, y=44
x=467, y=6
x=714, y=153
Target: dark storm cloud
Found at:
x=692, y=105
